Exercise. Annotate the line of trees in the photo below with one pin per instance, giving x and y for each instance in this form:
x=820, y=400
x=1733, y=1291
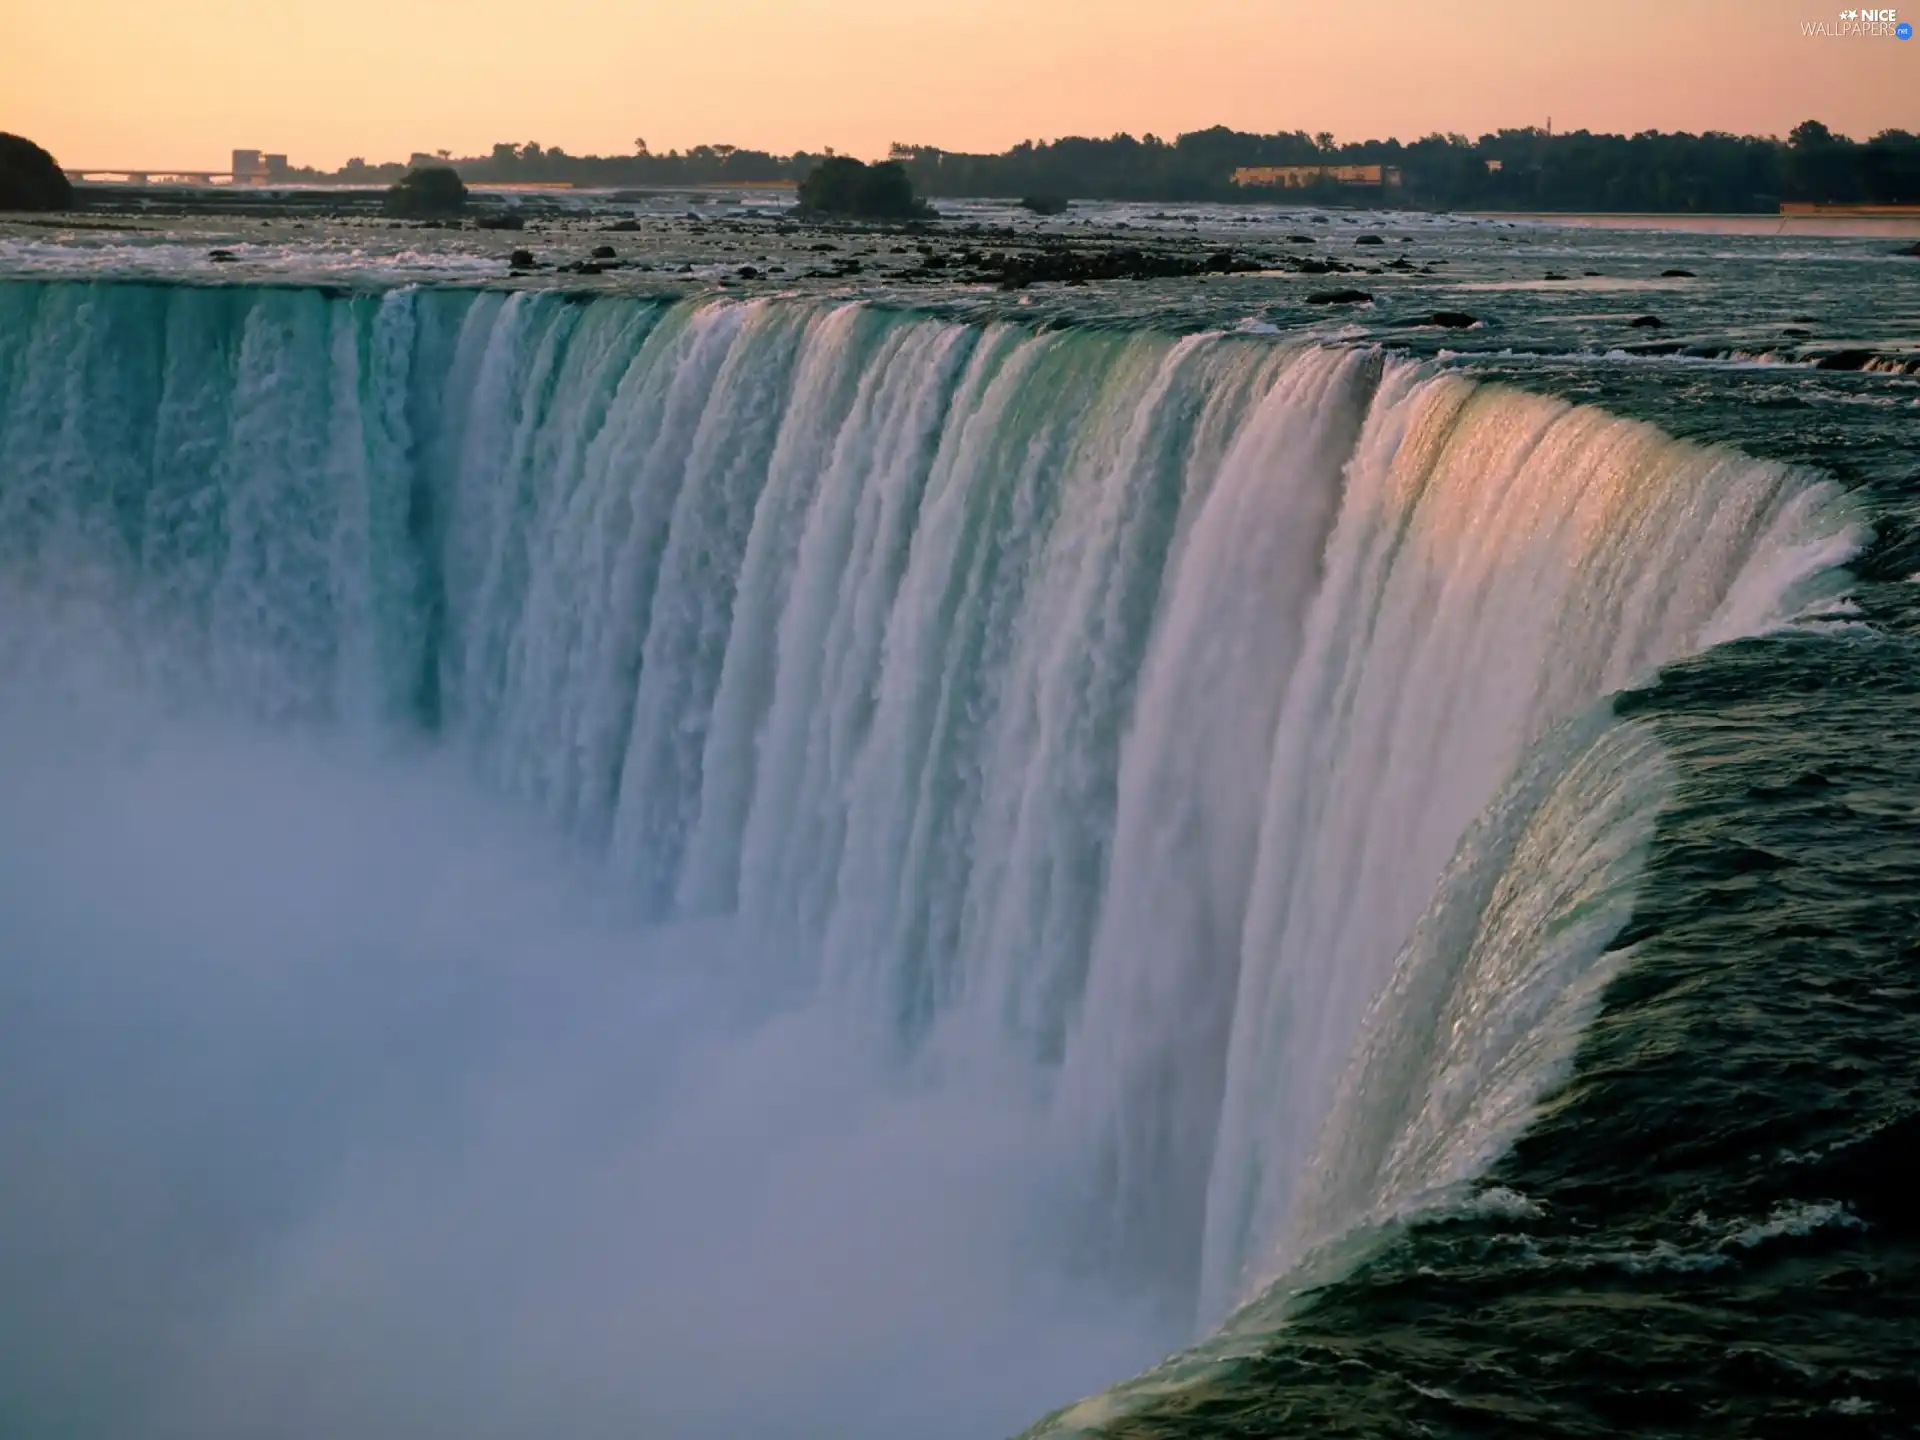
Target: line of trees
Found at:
x=30, y=178
x=535, y=164
x=1525, y=169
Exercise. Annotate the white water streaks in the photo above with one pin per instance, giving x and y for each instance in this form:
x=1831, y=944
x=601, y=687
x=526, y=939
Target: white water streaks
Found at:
x=1082, y=722
x=1501, y=561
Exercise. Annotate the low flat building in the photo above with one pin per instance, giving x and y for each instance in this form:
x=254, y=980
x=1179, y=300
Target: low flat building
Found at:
x=1299, y=177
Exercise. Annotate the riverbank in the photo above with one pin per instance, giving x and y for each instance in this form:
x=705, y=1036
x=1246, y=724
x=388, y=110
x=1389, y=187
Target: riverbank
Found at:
x=1854, y=223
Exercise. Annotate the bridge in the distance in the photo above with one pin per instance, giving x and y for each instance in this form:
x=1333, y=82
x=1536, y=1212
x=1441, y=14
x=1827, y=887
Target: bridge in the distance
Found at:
x=250, y=167
x=110, y=174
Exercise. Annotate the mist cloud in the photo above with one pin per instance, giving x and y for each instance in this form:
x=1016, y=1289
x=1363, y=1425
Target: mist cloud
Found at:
x=337, y=1100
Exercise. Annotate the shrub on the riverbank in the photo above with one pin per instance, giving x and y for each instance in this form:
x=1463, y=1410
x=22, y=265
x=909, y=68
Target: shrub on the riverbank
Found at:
x=30, y=178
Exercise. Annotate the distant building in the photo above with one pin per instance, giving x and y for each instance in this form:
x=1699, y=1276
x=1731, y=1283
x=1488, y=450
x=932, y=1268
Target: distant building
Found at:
x=1493, y=167
x=250, y=167
x=1297, y=177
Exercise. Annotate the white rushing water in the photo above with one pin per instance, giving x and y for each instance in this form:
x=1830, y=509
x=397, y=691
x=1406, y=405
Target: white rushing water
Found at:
x=1054, y=829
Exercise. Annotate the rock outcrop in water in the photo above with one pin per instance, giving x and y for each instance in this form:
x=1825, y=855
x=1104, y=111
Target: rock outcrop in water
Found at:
x=434, y=190
x=1077, y=267
x=844, y=188
x=1845, y=360
x=30, y=178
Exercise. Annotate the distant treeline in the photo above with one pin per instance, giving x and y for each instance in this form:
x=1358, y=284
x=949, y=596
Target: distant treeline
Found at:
x=534, y=164
x=1511, y=170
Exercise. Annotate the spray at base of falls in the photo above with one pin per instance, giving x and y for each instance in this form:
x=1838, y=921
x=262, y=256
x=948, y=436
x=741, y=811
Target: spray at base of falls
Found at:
x=1097, y=712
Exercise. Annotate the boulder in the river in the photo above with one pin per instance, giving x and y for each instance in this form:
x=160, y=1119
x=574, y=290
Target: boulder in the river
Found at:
x=603, y=252
x=1845, y=360
x=521, y=260
x=748, y=272
x=1677, y=275
x=1225, y=262
x=221, y=257
x=1913, y=250
x=625, y=226
x=1645, y=322
x=1452, y=319
x=1339, y=297
x=1368, y=240
x=504, y=220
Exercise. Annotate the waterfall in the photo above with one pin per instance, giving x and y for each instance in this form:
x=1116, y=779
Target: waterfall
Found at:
x=1202, y=736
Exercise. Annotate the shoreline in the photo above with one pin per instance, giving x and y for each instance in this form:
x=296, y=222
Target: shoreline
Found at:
x=1839, y=226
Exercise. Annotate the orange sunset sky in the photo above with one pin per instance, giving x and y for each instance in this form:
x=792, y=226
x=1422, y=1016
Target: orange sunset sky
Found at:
x=182, y=82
